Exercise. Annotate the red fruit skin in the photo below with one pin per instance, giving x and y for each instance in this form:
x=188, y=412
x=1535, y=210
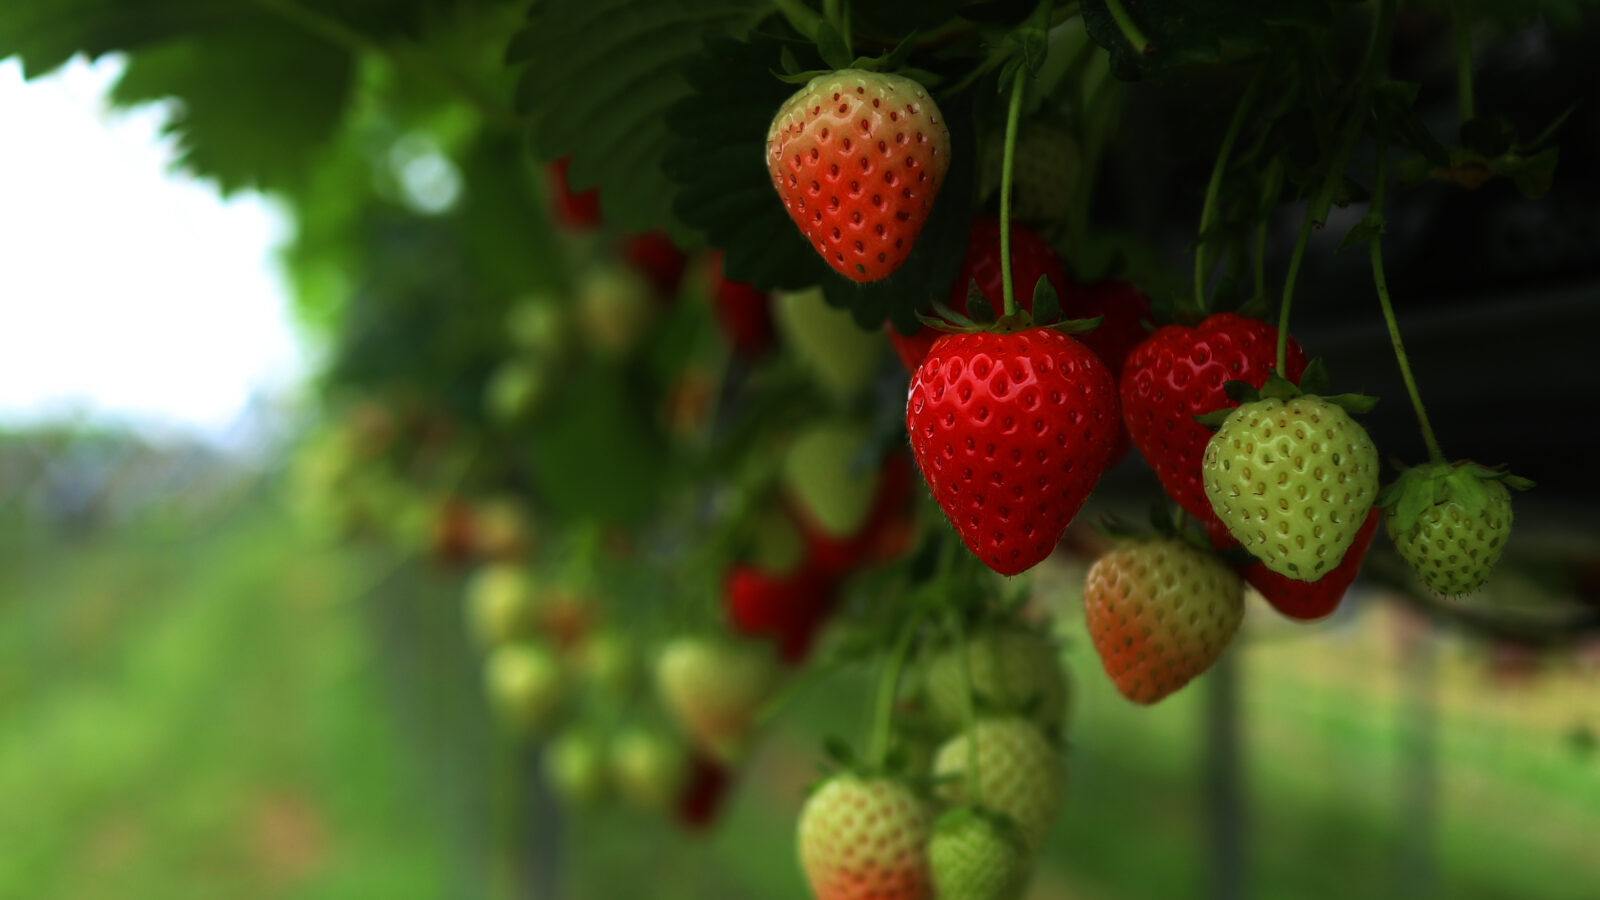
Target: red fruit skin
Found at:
x=703, y=792
x=1011, y=433
x=1032, y=258
x=857, y=159
x=789, y=608
x=1308, y=601
x=659, y=260
x=743, y=313
x=1178, y=373
x=578, y=211
x=1124, y=310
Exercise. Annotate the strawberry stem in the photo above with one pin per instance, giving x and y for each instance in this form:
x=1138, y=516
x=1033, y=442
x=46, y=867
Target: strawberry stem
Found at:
x=969, y=715
x=888, y=686
x=1208, y=210
x=1128, y=27
x=1375, y=248
x=1463, y=30
x=1288, y=287
x=1012, y=114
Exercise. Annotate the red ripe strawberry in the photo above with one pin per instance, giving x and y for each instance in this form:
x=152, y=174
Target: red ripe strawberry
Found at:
x=703, y=792
x=857, y=158
x=1312, y=600
x=789, y=608
x=1032, y=258
x=1011, y=432
x=1178, y=373
x=659, y=260
x=863, y=837
x=744, y=313
x=577, y=210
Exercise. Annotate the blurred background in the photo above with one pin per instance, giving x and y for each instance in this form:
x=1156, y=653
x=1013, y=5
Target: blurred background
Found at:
x=267, y=414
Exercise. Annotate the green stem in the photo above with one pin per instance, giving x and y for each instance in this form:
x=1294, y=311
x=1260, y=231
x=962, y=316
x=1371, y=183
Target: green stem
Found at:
x=1209, y=208
x=1012, y=114
x=1288, y=289
x=800, y=17
x=1375, y=248
x=888, y=686
x=1128, y=27
x=969, y=716
x=1463, y=30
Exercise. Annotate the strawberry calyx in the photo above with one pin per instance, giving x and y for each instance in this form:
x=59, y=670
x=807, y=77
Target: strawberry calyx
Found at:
x=1314, y=382
x=1461, y=482
x=980, y=317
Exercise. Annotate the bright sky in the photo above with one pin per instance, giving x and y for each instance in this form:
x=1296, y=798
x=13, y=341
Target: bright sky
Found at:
x=128, y=292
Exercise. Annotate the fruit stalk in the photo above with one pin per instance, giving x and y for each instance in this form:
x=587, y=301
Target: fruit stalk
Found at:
x=1288, y=287
x=1012, y=115
x=1208, y=210
x=1128, y=27
x=1375, y=248
x=888, y=686
x=969, y=715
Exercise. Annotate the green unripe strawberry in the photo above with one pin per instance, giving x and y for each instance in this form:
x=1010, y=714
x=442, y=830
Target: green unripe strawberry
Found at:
x=500, y=604
x=538, y=326
x=838, y=353
x=525, y=684
x=515, y=389
x=713, y=688
x=825, y=474
x=1020, y=774
x=607, y=660
x=862, y=837
x=575, y=768
x=1013, y=670
x=1160, y=612
x=614, y=310
x=1044, y=171
x=976, y=855
x=1450, y=522
x=1292, y=480
x=648, y=768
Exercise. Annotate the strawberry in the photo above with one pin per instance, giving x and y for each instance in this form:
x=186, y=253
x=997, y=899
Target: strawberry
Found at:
x=857, y=158
x=654, y=256
x=514, y=390
x=838, y=353
x=1032, y=258
x=1011, y=432
x=1012, y=670
x=704, y=790
x=1178, y=373
x=500, y=604
x=1293, y=481
x=574, y=768
x=865, y=837
x=613, y=310
x=648, y=769
x=1450, y=521
x=790, y=608
x=500, y=529
x=577, y=210
x=714, y=688
x=1020, y=774
x=887, y=532
x=826, y=476
x=1123, y=310
x=1309, y=601
x=525, y=685
x=743, y=313
x=976, y=855
x=1160, y=612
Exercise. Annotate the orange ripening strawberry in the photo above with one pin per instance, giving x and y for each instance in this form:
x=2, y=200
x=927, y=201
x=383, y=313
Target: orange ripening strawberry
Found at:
x=1011, y=432
x=1160, y=612
x=857, y=158
x=1309, y=601
x=1178, y=373
x=1032, y=258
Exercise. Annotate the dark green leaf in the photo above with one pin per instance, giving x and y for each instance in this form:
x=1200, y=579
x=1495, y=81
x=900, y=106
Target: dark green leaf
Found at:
x=1214, y=419
x=1488, y=135
x=1364, y=232
x=831, y=45
x=1046, y=304
x=1353, y=403
x=1315, y=378
x=1241, y=391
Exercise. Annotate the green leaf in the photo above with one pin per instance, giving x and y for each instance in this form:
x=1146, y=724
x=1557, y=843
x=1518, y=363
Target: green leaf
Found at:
x=599, y=79
x=1046, y=304
x=978, y=306
x=1180, y=32
x=258, y=101
x=839, y=751
x=831, y=44
x=1076, y=326
x=1241, y=391
x=1277, y=387
x=1353, y=403
x=1315, y=378
x=1215, y=418
x=1488, y=135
